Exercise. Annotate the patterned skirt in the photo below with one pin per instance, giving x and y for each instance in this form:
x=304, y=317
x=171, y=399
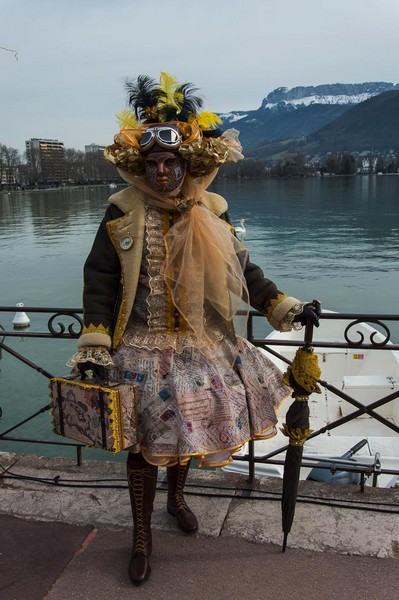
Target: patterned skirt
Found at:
x=196, y=406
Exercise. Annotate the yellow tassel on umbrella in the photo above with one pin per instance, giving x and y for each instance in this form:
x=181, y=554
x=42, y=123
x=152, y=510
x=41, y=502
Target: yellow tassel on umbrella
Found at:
x=304, y=370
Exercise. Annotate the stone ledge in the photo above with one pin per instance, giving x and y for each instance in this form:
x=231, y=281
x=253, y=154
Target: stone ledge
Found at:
x=219, y=499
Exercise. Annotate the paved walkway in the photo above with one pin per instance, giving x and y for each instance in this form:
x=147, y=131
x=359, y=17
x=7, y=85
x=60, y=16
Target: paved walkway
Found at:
x=67, y=542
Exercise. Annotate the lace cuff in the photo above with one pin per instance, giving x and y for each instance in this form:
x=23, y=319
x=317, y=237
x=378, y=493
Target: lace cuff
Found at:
x=98, y=355
x=283, y=311
x=288, y=322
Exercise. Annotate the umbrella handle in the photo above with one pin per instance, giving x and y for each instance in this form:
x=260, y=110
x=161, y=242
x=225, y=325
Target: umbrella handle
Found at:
x=308, y=333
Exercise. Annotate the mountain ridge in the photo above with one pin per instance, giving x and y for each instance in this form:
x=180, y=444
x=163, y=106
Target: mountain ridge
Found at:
x=300, y=111
x=372, y=125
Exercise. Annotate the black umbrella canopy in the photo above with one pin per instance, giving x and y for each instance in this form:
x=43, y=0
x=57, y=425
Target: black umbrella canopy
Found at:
x=302, y=376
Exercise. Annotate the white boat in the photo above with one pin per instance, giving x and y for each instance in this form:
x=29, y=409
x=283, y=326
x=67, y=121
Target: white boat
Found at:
x=366, y=376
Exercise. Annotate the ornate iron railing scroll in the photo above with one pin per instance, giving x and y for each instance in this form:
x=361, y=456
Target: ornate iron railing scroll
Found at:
x=55, y=330
x=373, y=334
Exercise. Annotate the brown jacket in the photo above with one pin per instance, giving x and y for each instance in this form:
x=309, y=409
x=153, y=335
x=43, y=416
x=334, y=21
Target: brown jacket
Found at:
x=112, y=270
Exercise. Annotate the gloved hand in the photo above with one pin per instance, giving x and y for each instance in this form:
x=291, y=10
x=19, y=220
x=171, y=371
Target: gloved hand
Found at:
x=99, y=372
x=91, y=358
x=311, y=310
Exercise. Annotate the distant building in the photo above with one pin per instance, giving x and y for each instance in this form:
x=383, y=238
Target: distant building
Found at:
x=46, y=161
x=9, y=176
x=94, y=149
x=369, y=164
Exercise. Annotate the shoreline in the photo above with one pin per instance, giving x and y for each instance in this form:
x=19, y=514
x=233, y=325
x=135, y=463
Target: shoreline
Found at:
x=217, y=180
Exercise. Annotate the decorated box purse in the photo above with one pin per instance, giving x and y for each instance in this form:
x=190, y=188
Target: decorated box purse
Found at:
x=100, y=416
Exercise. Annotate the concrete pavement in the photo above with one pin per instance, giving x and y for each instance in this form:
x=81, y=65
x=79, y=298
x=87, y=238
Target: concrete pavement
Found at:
x=61, y=542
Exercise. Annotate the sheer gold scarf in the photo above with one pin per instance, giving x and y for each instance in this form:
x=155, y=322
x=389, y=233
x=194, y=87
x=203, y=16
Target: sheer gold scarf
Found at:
x=202, y=265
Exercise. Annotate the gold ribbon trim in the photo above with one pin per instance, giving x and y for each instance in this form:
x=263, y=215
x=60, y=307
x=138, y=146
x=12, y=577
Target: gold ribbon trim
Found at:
x=297, y=435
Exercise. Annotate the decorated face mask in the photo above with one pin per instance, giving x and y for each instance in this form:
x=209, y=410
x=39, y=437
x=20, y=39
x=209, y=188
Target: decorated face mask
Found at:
x=165, y=172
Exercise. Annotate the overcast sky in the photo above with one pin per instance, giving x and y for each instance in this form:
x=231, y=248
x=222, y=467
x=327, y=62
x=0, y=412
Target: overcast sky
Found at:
x=74, y=55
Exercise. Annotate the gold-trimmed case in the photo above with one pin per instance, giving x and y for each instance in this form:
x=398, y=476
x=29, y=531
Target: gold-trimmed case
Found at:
x=95, y=415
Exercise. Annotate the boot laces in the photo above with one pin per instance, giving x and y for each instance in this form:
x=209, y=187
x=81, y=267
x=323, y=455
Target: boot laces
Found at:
x=178, y=496
x=136, y=485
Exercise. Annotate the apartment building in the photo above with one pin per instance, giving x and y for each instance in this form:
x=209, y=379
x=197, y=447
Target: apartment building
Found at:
x=46, y=161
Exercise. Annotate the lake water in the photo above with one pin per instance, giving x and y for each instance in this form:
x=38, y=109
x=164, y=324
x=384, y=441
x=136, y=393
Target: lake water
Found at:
x=335, y=239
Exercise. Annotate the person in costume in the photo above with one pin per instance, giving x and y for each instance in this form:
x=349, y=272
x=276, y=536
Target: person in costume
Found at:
x=162, y=284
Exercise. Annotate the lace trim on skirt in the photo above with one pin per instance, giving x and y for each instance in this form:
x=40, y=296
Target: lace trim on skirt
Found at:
x=141, y=337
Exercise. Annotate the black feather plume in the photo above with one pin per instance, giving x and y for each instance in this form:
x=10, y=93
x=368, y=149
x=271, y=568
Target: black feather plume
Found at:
x=145, y=93
x=191, y=103
x=187, y=107
x=142, y=94
x=212, y=133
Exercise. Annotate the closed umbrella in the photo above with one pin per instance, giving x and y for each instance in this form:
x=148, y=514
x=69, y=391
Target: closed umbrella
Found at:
x=302, y=376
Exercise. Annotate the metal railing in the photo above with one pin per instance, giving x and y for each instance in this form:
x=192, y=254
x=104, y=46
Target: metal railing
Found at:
x=66, y=323
x=56, y=329
x=377, y=341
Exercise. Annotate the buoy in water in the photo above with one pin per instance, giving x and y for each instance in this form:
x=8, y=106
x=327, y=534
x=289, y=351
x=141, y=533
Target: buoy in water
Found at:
x=20, y=319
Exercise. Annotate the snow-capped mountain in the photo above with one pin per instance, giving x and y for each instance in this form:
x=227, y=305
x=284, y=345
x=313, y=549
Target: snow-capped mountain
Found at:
x=290, y=113
x=336, y=93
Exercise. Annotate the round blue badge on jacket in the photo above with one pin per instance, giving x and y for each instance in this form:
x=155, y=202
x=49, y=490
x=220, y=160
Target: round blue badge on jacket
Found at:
x=126, y=242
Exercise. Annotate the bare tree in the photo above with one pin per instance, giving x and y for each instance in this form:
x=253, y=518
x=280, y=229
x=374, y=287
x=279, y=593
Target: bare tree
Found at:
x=74, y=165
x=10, y=162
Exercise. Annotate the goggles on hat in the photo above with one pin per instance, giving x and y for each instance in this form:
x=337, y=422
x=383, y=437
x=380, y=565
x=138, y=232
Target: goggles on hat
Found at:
x=163, y=135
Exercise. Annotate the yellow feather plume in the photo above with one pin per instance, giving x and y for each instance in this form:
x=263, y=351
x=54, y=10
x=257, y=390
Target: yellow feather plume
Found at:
x=126, y=119
x=168, y=85
x=207, y=120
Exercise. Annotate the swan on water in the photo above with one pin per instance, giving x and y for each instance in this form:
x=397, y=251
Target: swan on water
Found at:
x=240, y=230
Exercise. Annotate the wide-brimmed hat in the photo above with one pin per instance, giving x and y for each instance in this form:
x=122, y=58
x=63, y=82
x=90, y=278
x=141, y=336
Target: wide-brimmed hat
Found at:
x=166, y=115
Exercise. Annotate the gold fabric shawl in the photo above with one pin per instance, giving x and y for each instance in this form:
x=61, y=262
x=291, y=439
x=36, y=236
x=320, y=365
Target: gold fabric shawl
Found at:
x=202, y=263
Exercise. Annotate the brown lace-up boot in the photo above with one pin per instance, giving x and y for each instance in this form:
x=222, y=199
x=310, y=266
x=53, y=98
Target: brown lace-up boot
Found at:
x=142, y=480
x=176, y=506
